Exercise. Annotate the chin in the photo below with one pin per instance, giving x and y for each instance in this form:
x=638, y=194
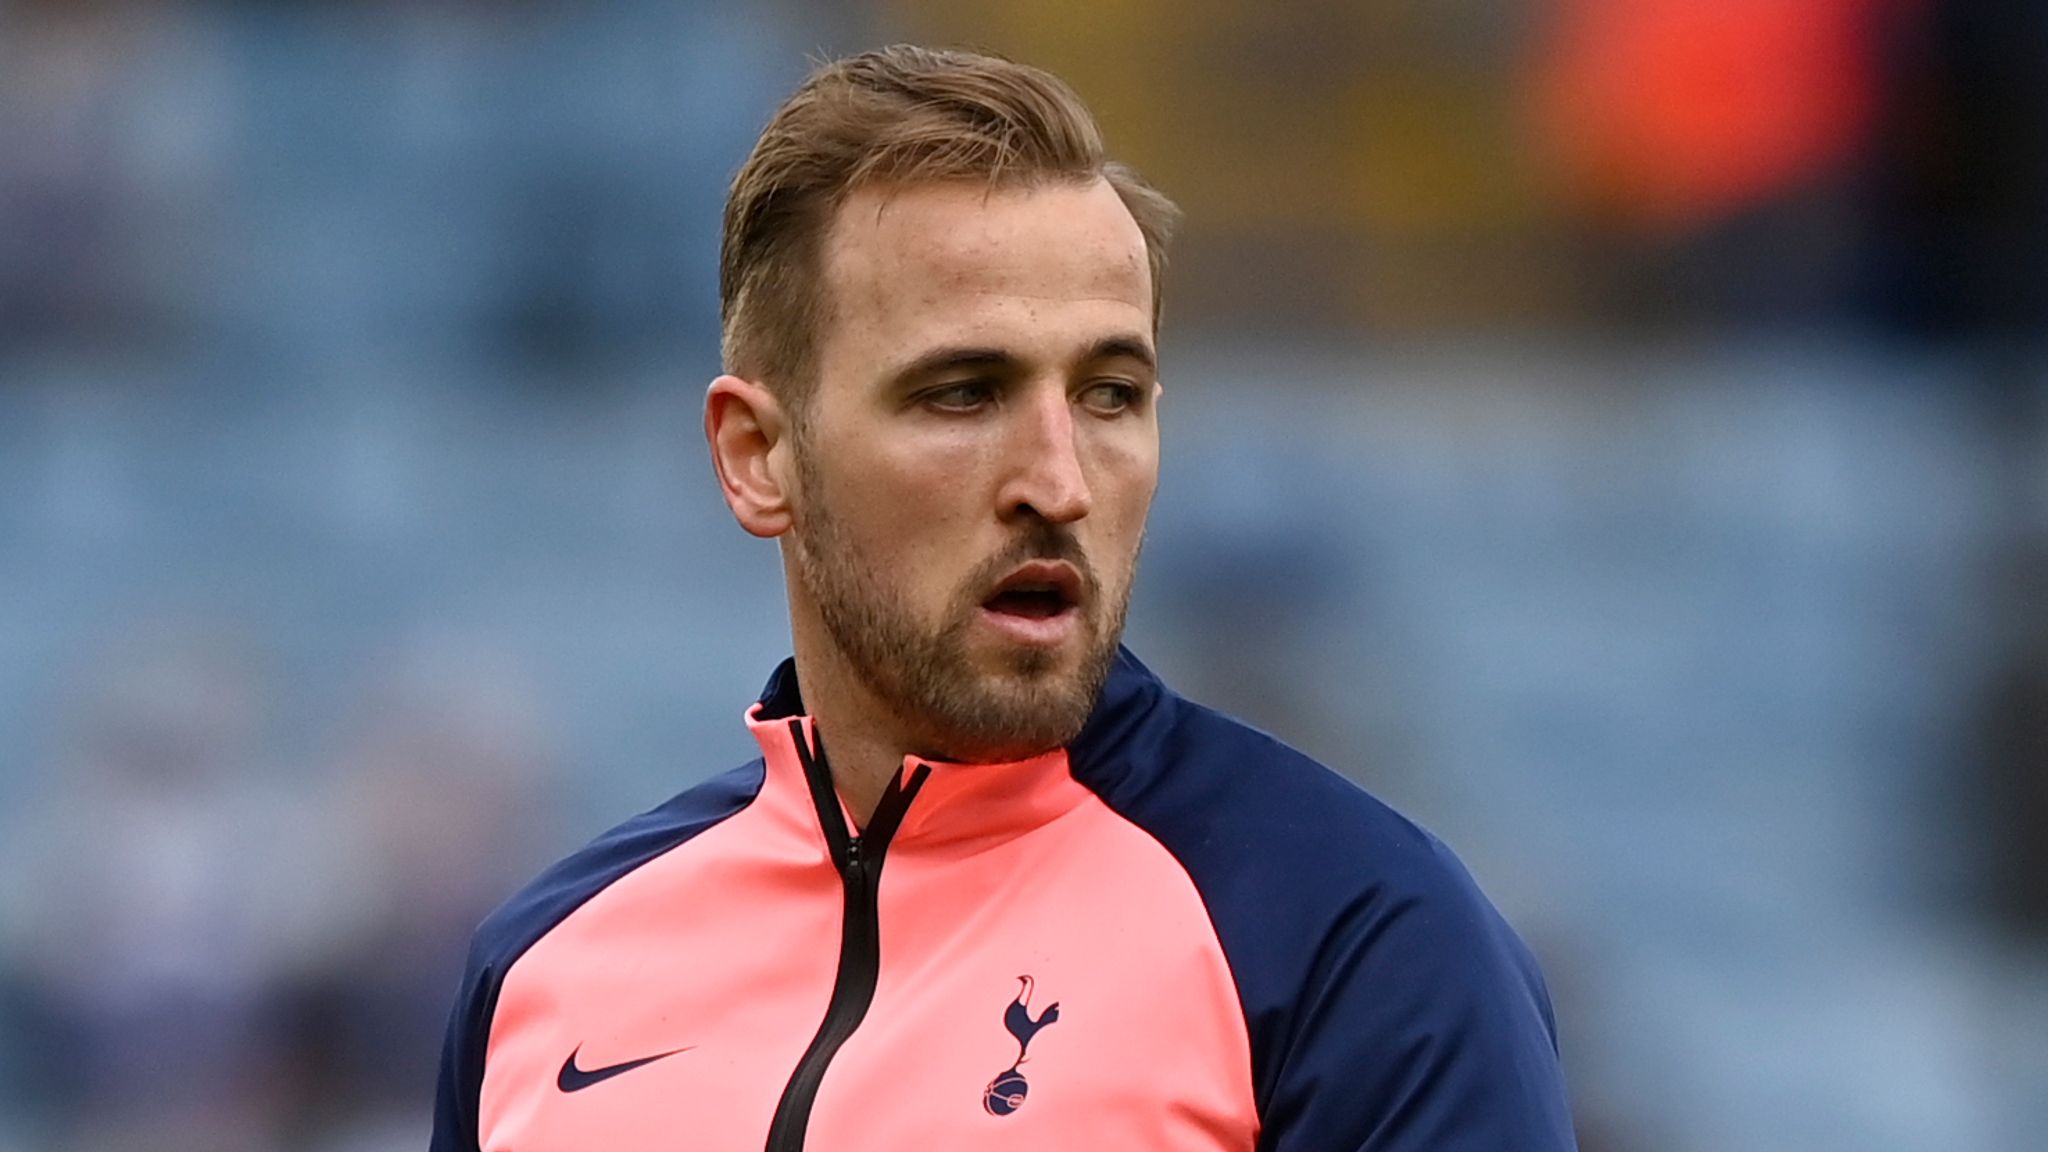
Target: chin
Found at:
x=1014, y=713
x=1009, y=749
x=1022, y=662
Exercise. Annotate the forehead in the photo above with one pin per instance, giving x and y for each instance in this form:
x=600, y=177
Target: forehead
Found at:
x=914, y=265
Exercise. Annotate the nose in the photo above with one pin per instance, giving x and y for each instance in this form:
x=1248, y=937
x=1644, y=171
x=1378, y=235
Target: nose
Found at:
x=1045, y=475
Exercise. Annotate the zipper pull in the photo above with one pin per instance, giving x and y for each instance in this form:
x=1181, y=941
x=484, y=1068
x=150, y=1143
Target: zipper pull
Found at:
x=852, y=865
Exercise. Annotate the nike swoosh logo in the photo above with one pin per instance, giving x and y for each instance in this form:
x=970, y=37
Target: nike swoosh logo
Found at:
x=574, y=1079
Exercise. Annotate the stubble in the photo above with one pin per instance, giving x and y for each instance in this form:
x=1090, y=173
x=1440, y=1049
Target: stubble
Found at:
x=924, y=671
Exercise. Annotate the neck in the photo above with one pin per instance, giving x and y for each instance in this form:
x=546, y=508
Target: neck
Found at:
x=864, y=744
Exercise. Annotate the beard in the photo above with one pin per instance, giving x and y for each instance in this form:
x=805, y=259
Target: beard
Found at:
x=924, y=671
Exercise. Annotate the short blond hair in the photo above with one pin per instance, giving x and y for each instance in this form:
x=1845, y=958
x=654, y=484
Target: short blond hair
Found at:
x=899, y=115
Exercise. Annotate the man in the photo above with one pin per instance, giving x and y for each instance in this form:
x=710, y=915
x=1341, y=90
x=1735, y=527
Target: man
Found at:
x=990, y=884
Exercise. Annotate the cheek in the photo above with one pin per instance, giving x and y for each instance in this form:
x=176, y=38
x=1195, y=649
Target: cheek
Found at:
x=1128, y=472
x=1123, y=500
x=909, y=515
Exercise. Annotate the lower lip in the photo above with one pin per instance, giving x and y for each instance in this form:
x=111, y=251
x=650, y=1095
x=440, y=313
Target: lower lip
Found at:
x=1038, y=631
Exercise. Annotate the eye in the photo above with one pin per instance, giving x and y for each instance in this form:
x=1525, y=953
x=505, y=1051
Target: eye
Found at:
x=1111, y=397
x=959, y=396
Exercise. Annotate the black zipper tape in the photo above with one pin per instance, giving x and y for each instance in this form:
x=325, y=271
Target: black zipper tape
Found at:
x=859, y=859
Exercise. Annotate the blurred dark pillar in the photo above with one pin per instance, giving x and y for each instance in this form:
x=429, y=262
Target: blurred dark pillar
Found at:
x=1967, y=260
x=1965, y=151
x=2016, y=759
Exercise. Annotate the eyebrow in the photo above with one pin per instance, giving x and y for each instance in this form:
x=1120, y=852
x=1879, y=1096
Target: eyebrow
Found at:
x=1125, y=348
x=961, y=356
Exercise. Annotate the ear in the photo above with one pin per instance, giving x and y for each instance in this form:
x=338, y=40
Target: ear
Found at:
x=748, y=435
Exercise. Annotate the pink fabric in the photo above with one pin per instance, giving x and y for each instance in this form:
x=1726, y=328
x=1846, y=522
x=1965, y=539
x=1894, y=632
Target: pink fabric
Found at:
x=730, y=944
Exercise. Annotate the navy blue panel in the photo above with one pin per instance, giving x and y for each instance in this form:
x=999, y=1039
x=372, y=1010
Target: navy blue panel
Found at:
x=1390, y=1007
x=782, y=698
x=538, y=908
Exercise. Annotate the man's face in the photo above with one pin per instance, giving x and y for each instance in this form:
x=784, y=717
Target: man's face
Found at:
x=977, y=460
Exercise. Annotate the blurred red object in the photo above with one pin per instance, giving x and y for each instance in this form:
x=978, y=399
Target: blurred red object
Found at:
x=1670, y=113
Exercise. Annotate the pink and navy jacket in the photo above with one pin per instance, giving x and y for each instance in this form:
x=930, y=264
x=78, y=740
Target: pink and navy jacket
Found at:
x=1174, y=934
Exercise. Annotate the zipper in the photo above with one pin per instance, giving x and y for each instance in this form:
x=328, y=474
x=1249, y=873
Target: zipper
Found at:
x=859, y=859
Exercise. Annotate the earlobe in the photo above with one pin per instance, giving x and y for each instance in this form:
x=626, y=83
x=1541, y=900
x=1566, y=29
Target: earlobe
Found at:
x=745, y=429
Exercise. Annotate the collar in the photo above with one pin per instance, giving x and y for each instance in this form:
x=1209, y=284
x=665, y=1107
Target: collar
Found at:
x=942, y=803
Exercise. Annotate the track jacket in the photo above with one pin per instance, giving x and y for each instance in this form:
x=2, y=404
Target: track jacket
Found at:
x=1175, y=934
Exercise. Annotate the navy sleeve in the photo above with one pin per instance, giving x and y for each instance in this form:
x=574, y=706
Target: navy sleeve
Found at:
x=1422, y=1025
x=1389, y=1007
x=536, y=910
x=462, y=1057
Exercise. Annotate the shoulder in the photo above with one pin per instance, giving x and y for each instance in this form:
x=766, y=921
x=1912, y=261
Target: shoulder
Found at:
x=1363, y=951
x=1251, y=817
x=536, y=909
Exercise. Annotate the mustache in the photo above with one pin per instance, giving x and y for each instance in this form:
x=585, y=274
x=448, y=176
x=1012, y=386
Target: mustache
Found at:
x=1042, y=540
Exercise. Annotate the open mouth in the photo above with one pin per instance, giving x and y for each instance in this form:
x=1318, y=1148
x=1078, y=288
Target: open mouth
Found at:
x=1039, y=590
x=1034, y=603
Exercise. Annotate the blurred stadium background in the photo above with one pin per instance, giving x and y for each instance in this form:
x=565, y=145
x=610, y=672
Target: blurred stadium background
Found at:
x=1612, y=430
